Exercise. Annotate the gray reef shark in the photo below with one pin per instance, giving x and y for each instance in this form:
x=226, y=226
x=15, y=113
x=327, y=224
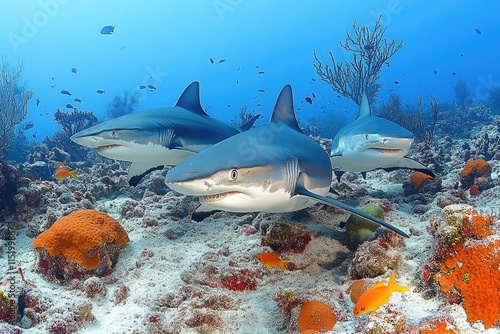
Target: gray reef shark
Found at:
x=372, y=142
x=161, y=137
x=274, y=168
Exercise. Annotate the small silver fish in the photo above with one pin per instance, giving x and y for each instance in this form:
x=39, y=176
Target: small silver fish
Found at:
x=77, y=100
x=101, y=91
x=74, y=70
x=65, y=92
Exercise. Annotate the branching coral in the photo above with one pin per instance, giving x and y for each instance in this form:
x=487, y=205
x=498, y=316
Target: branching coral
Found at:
x=75, y=121
x=370, y=52
x=14, y=98
x=122, y=104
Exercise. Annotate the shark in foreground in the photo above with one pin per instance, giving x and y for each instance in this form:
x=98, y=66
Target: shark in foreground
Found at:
x=161, y=137
x=372, y=142
x=274, y=168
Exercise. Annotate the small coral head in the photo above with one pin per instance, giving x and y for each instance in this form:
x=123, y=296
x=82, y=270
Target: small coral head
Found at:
x=474, y=190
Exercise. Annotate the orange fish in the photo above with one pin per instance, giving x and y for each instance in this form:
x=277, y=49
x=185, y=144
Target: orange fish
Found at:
x=272, y=260
x=377, y=296
x=63, y=172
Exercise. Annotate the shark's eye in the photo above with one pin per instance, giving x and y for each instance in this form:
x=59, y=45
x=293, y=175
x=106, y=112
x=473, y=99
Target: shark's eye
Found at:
x=366, y=136
x=234, y=175
x=114, y=133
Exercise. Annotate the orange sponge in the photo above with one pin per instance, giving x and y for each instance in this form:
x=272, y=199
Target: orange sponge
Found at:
x=78, y=235
x=418, y=178
x=473, y=272
x=316, y=315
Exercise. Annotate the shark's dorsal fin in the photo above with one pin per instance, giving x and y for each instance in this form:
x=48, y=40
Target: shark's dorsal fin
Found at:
x=190, y=99
x=248, y=124
x=364, y=108
x=283, y=110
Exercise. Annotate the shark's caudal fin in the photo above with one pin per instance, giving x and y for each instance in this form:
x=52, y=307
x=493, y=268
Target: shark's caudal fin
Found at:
x=248, y=124
x=190, y=99
x=283, y=110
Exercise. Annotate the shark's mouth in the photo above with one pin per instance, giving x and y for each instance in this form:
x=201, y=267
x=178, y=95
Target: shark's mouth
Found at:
x=107, y=147
x=217, y=197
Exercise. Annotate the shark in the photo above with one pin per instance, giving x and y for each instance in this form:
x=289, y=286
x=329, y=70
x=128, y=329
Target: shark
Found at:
x=153, y=139
x=372, y=142
x=273, y=168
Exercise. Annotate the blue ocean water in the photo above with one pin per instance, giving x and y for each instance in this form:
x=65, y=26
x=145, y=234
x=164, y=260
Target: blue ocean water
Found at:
x=172, y=42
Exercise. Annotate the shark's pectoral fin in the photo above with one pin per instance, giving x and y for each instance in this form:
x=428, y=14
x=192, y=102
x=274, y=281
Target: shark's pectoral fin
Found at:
x=411, y=164
x=202, y=212
x=300, y=190
x=138, y=170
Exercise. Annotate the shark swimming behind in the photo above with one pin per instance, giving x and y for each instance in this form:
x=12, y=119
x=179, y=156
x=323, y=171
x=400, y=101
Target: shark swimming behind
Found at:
x=161, y=137
x=274, y=168
x=372, y=142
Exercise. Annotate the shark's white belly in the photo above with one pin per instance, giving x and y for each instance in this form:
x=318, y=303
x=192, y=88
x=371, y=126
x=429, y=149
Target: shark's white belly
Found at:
x=148, y=152
x=355, y=161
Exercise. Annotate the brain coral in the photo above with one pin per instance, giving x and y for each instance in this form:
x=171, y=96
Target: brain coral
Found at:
x=84, y=237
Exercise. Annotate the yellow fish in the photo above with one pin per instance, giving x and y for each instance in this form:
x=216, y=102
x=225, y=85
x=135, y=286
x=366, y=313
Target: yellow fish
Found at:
x=272, y=260
x=377, y=296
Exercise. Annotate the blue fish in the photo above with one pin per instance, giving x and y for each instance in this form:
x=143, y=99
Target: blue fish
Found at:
x=65, y=92
x=74, y=70
x=101, y=91
x=108, y=30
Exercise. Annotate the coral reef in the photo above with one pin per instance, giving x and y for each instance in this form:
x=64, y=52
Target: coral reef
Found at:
x=285, y=237
x=373, y=258
x=9, y=178
x=437, y=325
x=472, y=273
x=83, y=243
x=359, y=229
x=462, y=266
